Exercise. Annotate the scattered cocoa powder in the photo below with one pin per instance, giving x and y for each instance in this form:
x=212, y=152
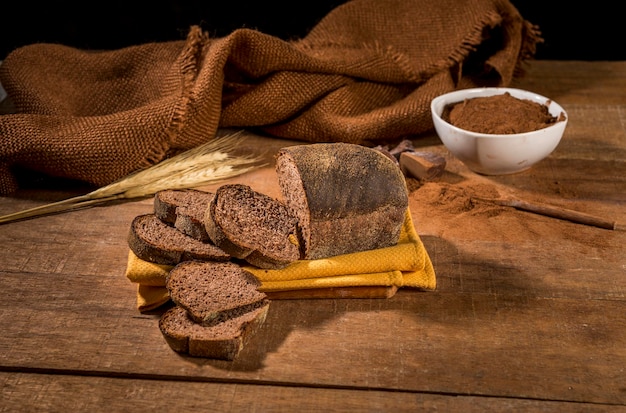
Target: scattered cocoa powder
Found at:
x=447, y=210
x=457, y=198
x=499, y=114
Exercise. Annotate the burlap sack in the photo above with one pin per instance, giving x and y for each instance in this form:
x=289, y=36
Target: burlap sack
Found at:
x=366, y=73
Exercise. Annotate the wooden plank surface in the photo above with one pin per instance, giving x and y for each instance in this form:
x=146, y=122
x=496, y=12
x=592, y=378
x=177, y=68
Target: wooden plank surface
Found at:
x=48, y=393
x=518, y=321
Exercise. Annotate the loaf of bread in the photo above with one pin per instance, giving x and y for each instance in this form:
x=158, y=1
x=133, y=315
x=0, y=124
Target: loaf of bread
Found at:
x=347, y=198
x=252, y=226
x=217, y=308
x=184, y=209
x=338, y=198
x=154, y=241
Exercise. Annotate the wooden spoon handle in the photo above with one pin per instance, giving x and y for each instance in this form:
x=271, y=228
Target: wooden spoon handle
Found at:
x=556, y=212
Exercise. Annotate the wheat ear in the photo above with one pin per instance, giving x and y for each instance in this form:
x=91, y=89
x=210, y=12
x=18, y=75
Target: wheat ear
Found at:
x=208, y=163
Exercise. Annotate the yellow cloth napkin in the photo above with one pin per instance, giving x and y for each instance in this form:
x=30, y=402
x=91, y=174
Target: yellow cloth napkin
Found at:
x=405, y=264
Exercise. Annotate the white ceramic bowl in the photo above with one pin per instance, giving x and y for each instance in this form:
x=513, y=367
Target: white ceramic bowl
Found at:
x=491, y=154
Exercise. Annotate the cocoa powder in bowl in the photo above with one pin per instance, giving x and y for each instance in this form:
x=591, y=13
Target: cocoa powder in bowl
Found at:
x=499, y=114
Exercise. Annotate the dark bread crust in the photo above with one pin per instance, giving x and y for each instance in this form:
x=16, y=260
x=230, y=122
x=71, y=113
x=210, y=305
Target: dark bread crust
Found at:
x=219, y=237
x=165, y=204
x=154, y=241
x=347, y=197
x=221, y=341
x=184, y=209
x=252, y=226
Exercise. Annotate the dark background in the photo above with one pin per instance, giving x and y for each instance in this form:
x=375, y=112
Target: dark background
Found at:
x=572, y=31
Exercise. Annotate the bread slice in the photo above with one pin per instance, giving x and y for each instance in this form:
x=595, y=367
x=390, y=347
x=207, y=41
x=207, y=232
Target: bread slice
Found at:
x=218, y=341
x=154, y=241
x=212, y=292
x=252, y=226
x=347, y=197
x=184, y=209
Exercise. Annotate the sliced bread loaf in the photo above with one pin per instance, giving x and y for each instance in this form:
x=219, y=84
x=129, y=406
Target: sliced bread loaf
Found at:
x=212, y=292
x=218, y=341
x=184, y=209
x=154, y=241
x=347, y=197
x=252, y=226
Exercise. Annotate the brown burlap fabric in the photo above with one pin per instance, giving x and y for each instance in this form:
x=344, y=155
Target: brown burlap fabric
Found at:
x=366, y=73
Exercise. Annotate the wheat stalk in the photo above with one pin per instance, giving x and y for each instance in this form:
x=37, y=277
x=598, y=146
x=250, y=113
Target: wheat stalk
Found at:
x=208, y=163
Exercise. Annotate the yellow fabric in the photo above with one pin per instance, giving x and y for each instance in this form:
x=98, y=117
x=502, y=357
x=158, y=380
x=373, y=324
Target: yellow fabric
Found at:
x=405, y=264
x=151, y=297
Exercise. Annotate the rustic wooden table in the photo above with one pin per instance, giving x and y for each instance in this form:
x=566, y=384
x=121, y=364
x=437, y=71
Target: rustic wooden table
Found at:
x=518, y=323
